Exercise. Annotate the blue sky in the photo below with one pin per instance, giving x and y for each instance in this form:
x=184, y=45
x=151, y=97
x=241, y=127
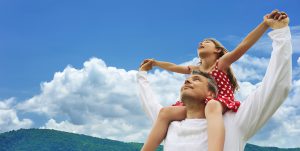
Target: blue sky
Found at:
x=39, y=39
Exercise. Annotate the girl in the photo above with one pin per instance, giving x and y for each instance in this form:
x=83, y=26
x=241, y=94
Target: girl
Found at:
x=216, y=60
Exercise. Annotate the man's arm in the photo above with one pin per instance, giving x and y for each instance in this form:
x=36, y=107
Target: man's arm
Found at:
x=262, y=103
x=149, y=102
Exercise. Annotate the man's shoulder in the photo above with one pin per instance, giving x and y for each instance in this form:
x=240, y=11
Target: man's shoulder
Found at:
x=229, y=119
x=189, y=122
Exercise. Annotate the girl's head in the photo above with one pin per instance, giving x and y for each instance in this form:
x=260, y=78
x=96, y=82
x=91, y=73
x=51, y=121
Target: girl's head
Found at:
x=213, y=46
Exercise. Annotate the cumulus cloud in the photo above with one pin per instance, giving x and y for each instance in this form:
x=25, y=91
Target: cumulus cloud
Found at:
x=93, y=95
x=101, y=101
x=283, y=129
x=9, y=119
x=118, y=129
x=295, y=31
x=90, y=90
x=250, y=68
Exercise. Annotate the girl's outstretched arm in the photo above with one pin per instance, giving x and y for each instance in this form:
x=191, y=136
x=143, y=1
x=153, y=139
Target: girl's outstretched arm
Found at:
x=250, y=40
x=171, y=66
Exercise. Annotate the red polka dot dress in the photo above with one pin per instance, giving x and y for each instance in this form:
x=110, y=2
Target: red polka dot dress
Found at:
x=225, y=90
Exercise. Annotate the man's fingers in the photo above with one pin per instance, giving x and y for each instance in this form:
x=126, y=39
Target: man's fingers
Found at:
x=280, y=17
x=273, y=13
x=276, y=16
x=284, y=15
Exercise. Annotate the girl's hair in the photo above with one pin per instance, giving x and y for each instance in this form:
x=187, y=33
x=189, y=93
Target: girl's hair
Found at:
x=229, y=70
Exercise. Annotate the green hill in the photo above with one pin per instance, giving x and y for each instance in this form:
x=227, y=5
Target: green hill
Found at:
x=52, y=140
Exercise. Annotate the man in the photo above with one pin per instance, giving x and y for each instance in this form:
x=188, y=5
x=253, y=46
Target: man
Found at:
x=191, y=133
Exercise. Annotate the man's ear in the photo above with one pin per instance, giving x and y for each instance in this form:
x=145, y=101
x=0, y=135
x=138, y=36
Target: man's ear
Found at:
x=211, y=94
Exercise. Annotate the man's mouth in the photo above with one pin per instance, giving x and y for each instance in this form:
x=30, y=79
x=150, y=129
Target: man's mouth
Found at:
x=187, y=86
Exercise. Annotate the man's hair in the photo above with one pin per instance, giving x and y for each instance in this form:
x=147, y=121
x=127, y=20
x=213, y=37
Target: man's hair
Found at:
x=212, y=85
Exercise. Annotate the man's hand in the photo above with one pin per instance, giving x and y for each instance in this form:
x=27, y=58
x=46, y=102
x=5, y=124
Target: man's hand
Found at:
x=146, y=65
x=276, y=19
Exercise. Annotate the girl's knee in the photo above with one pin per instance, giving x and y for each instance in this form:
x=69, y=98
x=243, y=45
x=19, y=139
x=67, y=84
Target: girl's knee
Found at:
x=164, y=113
x=213, y=107
x=172, y=113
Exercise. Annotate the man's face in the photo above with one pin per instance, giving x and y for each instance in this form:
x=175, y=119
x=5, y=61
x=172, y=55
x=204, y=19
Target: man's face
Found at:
x=195, y=87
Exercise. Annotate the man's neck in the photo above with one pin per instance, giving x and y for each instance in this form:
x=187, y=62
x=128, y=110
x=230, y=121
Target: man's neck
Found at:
x=195, y=110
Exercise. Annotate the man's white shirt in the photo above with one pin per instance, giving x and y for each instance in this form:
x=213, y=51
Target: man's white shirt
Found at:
x=255, y=110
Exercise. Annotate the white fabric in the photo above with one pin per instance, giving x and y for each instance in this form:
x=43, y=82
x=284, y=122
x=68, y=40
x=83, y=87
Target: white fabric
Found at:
x=191, y=134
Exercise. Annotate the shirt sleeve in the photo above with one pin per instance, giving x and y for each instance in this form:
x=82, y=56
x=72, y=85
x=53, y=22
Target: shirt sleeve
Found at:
x=149, y=102
x=260, y=105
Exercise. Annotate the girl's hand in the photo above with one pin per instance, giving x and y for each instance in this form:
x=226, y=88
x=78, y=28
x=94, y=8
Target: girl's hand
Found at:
x=276, y=19
x=146, y=65
x=153, y=62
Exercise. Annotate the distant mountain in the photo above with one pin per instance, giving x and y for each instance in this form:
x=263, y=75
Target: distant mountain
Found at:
x=52, y=140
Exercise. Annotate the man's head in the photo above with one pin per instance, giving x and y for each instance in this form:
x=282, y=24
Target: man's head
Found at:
x=198, y=86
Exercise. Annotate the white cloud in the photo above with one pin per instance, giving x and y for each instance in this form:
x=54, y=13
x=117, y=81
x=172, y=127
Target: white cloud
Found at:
x=118, y=129
x=283, y=130
x=249, y=68
x=295, y=31
x=79, y=94
x=101, y=101
x=9, y=119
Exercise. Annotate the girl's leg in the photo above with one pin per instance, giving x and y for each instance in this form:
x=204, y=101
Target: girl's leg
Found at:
x=160, y=128
x=215, y=125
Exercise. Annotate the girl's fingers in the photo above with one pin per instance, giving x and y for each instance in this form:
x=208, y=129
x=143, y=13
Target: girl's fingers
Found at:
x=145, y=61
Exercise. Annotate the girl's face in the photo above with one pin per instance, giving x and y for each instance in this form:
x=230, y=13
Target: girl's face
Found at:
x=206, y=47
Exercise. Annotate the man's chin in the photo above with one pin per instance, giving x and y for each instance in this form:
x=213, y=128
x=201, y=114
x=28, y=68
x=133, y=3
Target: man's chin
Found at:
x=187, y=96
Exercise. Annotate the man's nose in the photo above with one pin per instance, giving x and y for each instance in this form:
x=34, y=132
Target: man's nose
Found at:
x=187, y=81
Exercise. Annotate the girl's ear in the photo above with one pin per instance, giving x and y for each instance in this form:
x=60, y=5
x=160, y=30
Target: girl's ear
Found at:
x=218, y=50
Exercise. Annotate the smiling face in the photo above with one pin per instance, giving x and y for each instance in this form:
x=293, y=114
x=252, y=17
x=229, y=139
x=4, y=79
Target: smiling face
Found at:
x=196, y=87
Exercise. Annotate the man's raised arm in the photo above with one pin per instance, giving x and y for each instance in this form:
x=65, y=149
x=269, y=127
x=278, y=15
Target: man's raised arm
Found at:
x=149, y=102
x=266, y=99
